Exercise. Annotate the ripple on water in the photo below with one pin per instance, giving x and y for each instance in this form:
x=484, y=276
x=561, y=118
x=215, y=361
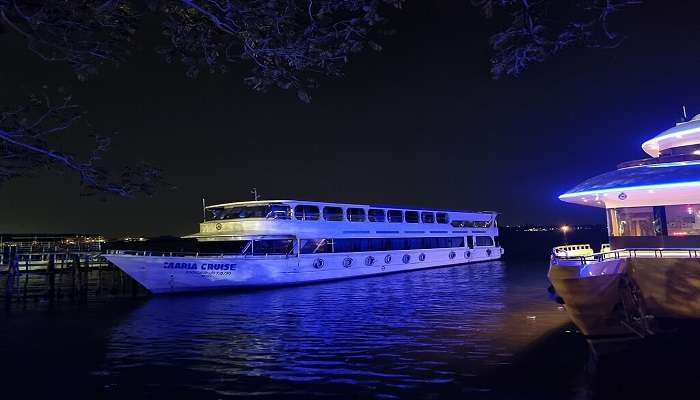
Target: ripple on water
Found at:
x=410, y=333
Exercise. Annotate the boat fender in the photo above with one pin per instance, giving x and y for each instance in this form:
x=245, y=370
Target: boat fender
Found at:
x=347, y=263
x=406, y=258
x=387, y=259
x=421, y=257
x=467, y=254
x=488, y=252
x=369, y=261
x=319, y=263
x=452, y=255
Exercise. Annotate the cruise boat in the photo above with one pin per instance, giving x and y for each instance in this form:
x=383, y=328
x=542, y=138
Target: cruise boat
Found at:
x=285, y=242
x=647, y=280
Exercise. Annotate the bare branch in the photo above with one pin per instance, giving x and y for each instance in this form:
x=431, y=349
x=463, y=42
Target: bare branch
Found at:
x=27, y=136
x=542, y=28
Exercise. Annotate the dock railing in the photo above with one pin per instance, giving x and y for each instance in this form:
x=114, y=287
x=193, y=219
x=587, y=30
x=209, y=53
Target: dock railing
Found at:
x=686, y=253
x=51, y=260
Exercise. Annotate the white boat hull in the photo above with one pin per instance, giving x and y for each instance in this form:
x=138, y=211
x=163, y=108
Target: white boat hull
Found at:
x=170, y=274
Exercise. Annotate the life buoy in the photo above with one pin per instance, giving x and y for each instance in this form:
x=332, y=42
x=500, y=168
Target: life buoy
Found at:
x=387, y=259
x=452, y=255
x=347, y=263
x=467, y=254
x=319, y=263
x=406, y=258
x=421, y=257
x=369, y=260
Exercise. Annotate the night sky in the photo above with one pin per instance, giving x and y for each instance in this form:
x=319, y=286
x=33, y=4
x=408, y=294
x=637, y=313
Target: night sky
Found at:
x=420, y=123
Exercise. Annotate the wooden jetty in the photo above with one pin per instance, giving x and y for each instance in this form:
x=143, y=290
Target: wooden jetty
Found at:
x=29, y=253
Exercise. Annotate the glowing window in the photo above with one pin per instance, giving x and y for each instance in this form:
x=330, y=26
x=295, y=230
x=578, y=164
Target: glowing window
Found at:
x=375, y=215
x=395, y=216
x=332, y=213
x=304, y=212
x=356, y=214
x=412, y=217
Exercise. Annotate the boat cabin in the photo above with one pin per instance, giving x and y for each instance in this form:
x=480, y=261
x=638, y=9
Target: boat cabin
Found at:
x=653, y=202
x=273, y=226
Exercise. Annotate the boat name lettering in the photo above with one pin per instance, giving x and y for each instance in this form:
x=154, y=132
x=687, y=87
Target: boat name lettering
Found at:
x=216, y=267
x=170, y=265
x=185, y=265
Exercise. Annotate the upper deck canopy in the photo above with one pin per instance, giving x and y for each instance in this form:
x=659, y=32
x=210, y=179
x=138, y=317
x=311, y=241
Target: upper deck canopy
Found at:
x=671, y=177
x=644, y=185
x=344, y=205
x=683, y=134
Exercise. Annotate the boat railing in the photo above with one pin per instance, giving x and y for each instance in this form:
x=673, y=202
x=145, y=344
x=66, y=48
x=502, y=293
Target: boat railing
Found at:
x=153, y=253
x=630, y=253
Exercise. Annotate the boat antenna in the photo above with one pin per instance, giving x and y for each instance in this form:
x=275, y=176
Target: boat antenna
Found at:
x=204, y=209
x=256, y=195
x=685, y=114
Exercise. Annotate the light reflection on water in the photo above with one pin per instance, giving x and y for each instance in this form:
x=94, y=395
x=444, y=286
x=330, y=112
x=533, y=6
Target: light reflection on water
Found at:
x=432, y=332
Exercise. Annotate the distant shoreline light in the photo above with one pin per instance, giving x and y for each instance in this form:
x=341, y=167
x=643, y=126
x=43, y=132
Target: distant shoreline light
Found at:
x=628, y=188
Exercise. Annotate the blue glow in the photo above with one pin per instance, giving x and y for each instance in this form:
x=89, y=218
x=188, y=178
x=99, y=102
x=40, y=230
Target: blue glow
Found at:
x=666, y=165
x=628, y=188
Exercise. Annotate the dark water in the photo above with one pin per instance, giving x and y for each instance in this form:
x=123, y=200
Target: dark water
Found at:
x=482, y=331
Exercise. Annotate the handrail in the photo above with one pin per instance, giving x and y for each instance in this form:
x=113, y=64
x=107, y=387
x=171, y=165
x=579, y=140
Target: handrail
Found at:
x=639, y=252
x=152, y=253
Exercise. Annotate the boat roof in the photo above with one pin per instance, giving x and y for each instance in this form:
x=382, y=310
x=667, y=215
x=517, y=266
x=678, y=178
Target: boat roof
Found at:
x=683, y=134
x=326, y=203
x=653, y=184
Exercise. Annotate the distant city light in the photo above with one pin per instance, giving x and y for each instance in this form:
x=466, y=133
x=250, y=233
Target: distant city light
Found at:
x=564, y=228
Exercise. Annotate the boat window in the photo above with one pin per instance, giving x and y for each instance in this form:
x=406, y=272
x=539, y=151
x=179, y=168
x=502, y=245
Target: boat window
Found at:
x=442, y=218
x=272, y=247
x=395, y=215
x=482, y=224
x=314, y=246
x=683, y=220
x=427, y=217
x=351, y=245
x=275, y=211
x=417, y=243
x=279, y=211
x=356, y=214
x=412, y=217
x=632, y=221
x=221, y=247
x=462, y=224
x=375, y=215
x=332, y=213
x=305, y=212
x=484, y=241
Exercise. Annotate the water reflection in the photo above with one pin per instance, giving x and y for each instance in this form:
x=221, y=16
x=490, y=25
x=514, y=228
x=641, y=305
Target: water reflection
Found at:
x=431, y=332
